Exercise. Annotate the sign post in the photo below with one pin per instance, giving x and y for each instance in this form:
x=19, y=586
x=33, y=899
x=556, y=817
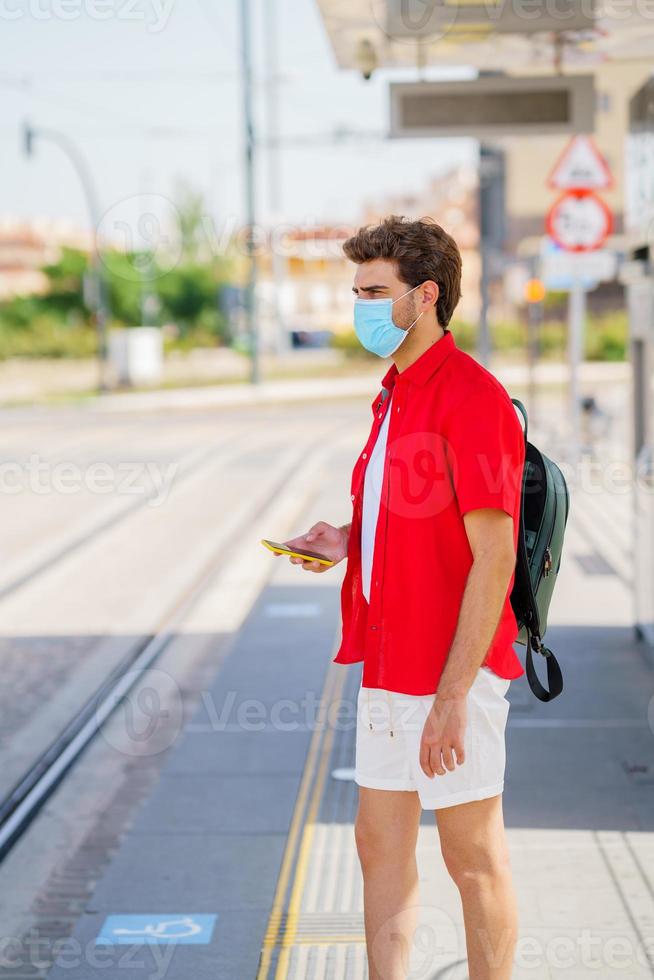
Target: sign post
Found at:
x=534, y=294
x=576, y=332
x=579, y=222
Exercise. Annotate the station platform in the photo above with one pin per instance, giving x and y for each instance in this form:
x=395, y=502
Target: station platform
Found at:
x=241, y=864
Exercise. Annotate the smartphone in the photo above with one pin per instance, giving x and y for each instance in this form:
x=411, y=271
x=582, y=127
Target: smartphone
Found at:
x=282, y=549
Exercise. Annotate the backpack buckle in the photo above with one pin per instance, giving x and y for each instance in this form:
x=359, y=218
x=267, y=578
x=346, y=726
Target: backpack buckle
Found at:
x=538, y=646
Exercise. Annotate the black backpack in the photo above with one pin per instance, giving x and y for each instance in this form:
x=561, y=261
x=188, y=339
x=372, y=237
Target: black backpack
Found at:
x=543, y=515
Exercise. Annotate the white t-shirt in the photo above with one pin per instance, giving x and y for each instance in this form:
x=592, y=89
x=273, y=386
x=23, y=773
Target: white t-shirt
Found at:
x=372, y=484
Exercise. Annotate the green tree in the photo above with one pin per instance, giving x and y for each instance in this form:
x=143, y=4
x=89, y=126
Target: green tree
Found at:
x=190, y=297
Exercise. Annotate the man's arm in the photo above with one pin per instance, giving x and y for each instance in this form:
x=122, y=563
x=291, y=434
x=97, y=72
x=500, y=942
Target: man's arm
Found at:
x=485, y=447
x=490, y=533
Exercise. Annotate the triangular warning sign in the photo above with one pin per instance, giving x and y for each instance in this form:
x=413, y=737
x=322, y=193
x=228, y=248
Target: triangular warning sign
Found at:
x=582, y=166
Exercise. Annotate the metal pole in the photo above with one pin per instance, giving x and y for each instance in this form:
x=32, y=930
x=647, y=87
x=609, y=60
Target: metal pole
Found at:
x=248, y=121
x=274, y=170
x=149, y=300
x=576, y=324
x=84, y=173
x=534, y=323
x=492, y=233
x=535, y=316
x=483, y=345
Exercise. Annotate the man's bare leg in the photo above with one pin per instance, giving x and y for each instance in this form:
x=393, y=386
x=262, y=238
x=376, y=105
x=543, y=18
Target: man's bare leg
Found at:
x=473, y=843
x=386, y=832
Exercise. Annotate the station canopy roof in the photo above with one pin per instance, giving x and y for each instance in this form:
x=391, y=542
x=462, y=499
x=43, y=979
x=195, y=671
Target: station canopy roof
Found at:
x=490, y=35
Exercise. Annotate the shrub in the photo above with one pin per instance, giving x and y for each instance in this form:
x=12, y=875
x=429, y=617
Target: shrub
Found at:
x=607, y=337
x=47, y=336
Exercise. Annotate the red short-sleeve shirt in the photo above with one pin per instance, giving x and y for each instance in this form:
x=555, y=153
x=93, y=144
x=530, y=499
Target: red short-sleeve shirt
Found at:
x=455, y=443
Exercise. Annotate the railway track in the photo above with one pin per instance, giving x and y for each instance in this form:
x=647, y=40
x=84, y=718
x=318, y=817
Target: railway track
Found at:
x=21, y=804
x=190, y=465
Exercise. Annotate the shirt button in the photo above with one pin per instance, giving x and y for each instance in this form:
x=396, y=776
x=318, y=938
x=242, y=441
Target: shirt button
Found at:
x=352, y=496
x=364, y=455
x=373, y=627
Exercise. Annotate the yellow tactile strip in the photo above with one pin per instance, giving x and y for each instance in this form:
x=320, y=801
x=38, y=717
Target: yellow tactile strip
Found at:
x=330, y=960
x=316, y=924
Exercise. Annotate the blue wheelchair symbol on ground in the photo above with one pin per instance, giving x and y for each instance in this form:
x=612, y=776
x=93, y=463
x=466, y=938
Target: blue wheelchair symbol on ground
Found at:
x=156, y=928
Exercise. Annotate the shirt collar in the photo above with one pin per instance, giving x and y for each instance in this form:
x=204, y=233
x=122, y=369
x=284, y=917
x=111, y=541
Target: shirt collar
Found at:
x=425, y=366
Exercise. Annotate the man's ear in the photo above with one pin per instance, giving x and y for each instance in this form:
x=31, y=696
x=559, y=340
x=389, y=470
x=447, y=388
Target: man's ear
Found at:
x=430, y=292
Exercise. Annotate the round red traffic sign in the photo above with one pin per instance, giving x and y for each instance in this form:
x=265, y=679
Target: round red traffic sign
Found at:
x=579, y=221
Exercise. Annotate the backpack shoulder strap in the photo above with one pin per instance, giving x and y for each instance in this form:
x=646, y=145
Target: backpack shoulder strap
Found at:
x=521, y=557
x=523, y=411
x=532, y=626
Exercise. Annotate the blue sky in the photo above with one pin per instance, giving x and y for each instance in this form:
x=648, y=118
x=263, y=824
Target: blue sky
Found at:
x=150, y=92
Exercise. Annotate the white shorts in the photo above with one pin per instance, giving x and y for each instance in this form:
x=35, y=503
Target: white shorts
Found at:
x=385, y=762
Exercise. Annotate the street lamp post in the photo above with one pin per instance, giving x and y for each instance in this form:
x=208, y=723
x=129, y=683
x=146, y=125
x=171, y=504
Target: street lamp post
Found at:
x=30, y=134
x=248, y=123
x=274, y=170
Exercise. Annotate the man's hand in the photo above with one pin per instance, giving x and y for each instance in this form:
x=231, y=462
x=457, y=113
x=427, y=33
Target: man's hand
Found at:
x=442, y=736
x=325, y=540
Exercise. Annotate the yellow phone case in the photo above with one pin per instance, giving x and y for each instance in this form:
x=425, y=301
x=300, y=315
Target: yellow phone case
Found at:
x=279, y=550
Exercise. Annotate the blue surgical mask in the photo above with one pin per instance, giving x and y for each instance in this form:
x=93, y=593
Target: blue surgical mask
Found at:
x=373, y=324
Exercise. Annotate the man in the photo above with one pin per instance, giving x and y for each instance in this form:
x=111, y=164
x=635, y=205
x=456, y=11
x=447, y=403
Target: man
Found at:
x=425, y=600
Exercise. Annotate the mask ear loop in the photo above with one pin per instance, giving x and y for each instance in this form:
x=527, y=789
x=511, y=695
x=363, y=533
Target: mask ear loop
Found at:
x=407, y=293
x=402, y=297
